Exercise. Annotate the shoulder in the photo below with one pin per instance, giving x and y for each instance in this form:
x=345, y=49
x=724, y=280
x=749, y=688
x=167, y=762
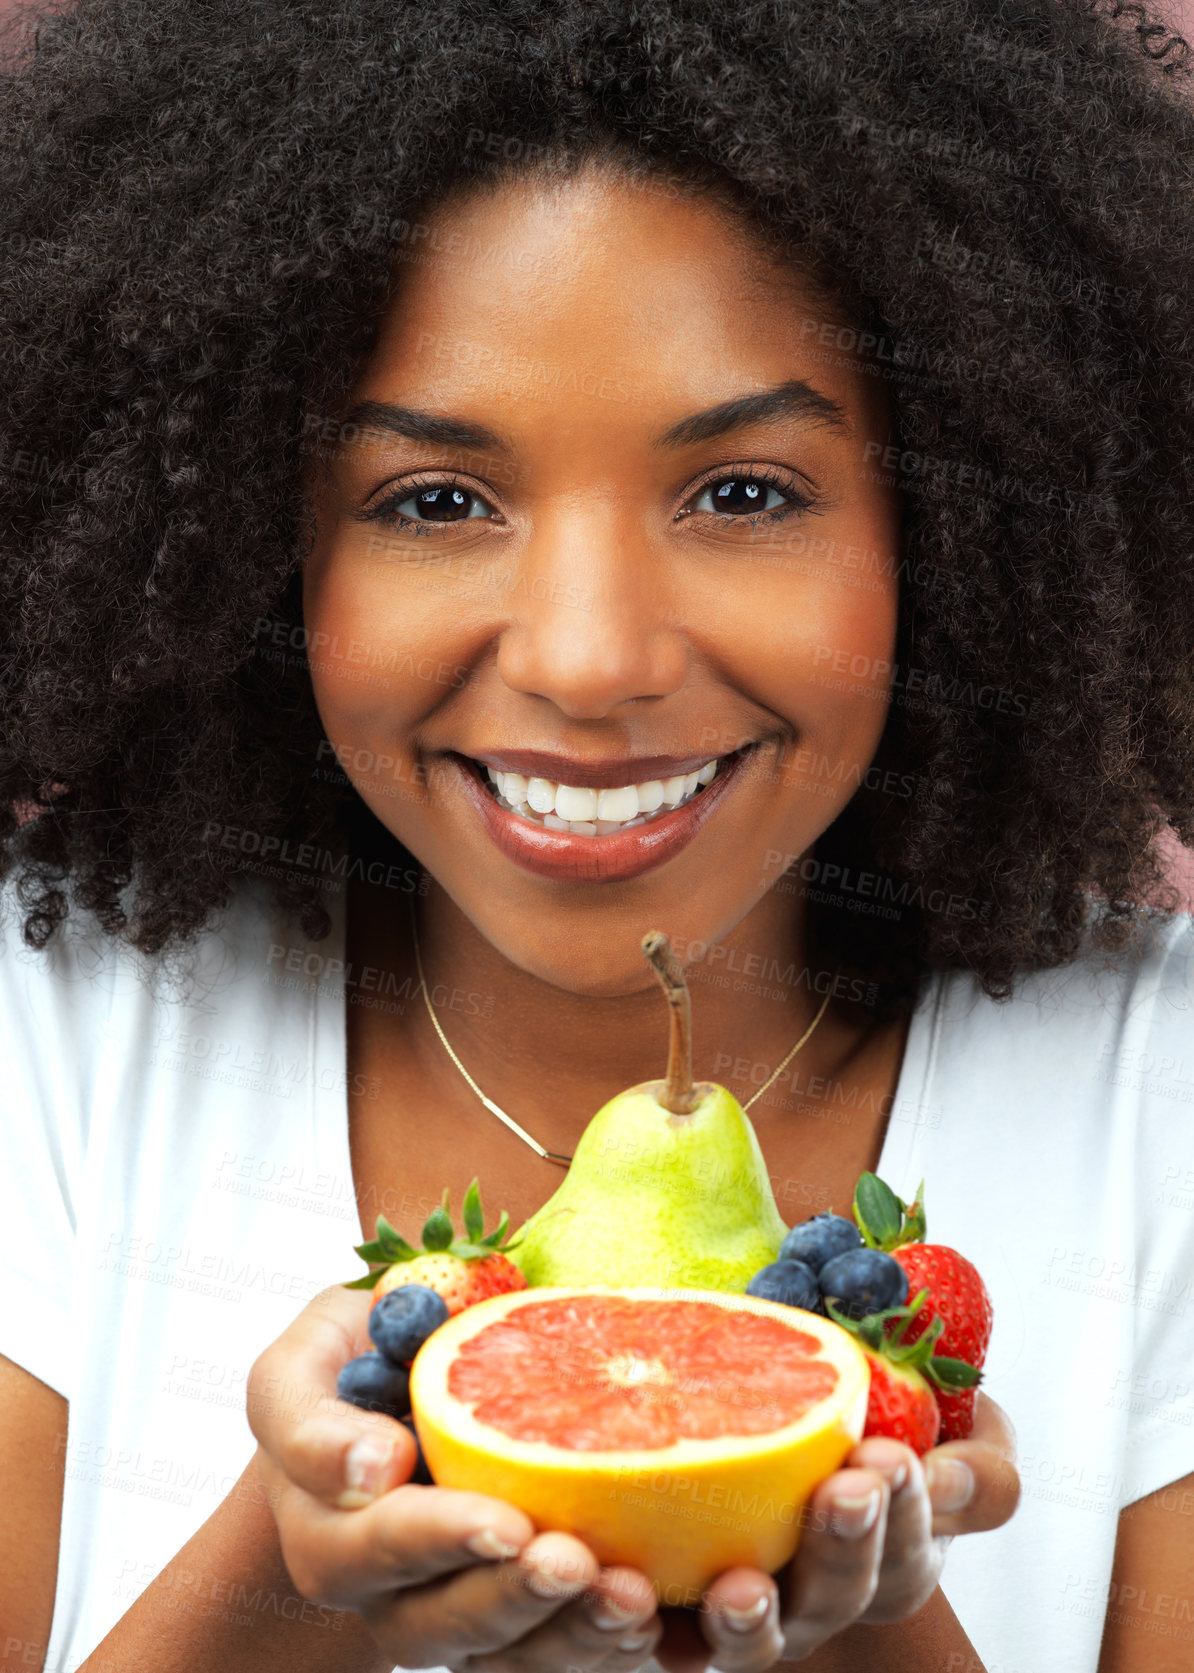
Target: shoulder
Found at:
x=76, y=987
x=1102, y=1000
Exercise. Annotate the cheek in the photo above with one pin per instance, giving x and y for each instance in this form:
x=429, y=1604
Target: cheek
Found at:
x=816, y=645
x=382, y=647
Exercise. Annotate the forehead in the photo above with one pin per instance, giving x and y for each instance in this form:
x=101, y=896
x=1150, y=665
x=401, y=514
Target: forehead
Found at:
x=600, y=281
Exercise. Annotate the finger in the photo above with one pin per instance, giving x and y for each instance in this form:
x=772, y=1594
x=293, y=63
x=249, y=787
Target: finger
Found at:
x=835, y=1573
x=912, y=1558
x=483, y=1610
x=612, y=1624
x=408, y=1537
x=683, y=1648
x=328, y=1447
x=740, y=1620
x=974, y=1484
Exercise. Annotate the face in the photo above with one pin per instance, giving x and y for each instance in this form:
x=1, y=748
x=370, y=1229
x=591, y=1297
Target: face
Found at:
x=586, y=573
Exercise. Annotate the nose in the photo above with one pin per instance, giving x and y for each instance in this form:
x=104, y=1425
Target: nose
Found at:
x=592, y=618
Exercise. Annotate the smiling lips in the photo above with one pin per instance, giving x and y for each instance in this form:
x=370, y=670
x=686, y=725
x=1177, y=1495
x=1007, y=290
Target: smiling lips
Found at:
x=591, y=832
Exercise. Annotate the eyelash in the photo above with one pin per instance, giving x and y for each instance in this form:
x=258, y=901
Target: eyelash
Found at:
x=770, y=476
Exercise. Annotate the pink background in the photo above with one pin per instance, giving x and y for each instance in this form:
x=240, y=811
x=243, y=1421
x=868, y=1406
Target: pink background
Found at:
x=1180, y=14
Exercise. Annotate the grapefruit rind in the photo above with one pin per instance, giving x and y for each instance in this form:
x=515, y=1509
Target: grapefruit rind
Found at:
x=683, y=1513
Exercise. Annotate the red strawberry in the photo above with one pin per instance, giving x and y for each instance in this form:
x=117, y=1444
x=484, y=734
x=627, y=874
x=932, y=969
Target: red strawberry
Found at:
x=955, y=1292
x=959, y=1297
x=905, y=1376
x=901, y=1405
x=462, y=1271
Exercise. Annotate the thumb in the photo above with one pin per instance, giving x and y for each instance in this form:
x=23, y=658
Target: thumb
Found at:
x=307, y=1436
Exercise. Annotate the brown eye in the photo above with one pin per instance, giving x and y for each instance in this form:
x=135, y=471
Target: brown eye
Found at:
x=444, y=504
x=739, y=495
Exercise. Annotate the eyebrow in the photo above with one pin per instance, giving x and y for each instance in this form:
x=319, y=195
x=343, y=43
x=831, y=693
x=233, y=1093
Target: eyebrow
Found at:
x=794, y=399
x=416, y=425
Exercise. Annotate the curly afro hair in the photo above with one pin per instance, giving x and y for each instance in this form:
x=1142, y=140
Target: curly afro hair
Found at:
x=200, y=213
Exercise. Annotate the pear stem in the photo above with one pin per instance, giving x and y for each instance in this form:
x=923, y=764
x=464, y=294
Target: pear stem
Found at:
x=679, y=1094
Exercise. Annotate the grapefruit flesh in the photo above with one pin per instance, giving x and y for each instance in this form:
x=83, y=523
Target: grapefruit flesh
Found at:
x=681, y=1432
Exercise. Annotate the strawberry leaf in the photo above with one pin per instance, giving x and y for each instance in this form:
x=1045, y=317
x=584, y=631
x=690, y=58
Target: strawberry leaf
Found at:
x=878, y=1211
x=437, y=1233
x=909, y=1312
x=370, y=1251
x=871, y=1331
x=365, y=1283
x=394, y=1245
x=493, y=1241
x=470, y=1251
x=914, y=1228
x=950, y=1374
x=474, y=1220
x=916, y=1355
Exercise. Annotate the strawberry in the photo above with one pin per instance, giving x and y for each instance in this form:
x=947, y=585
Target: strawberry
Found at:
x=901, y=1405
x=959, y=1297
x=461, y=1270
x=956, y=1292
x=905, y=1376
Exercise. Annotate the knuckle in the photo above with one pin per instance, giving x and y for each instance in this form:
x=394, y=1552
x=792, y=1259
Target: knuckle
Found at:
x=469, y=1635
x=308, y=1576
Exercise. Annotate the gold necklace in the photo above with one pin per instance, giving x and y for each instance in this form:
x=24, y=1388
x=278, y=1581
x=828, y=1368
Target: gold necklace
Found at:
x=495, y=1109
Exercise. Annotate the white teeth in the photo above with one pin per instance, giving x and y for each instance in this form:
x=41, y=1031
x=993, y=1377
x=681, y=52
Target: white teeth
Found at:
x=572, y=803
x=541, y=795
x=589, y=812
x=618, y=805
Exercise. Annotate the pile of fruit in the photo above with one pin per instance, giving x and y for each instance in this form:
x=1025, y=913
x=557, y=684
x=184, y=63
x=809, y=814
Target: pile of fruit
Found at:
x=925, y=1355
x=674, y=1396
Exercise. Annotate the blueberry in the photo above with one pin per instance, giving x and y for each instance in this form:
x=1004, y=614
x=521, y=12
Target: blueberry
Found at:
x=422, y=1476
x=403, y=1320
x=819, y=1240
x=791, y=1282
x=373, y=1383
x=864, y=1281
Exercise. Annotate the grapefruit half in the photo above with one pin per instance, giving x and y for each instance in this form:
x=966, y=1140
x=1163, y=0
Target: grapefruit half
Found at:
x=679, y=1431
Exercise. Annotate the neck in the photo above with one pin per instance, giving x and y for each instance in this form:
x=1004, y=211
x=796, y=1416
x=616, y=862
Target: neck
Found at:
x=551, y=1058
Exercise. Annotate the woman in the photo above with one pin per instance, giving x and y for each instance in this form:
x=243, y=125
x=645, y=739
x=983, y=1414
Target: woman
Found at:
x=748, y=410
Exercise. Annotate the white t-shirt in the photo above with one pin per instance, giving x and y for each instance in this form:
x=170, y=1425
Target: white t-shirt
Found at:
x=178, y=1184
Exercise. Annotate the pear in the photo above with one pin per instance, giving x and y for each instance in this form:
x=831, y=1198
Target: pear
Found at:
x=667, y=1187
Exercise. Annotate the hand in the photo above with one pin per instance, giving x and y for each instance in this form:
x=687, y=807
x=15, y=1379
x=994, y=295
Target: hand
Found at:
x=864, y=1559
x=439, y=1577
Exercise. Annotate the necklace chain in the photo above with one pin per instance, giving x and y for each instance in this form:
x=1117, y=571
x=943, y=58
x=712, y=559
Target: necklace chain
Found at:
x=495, y=1109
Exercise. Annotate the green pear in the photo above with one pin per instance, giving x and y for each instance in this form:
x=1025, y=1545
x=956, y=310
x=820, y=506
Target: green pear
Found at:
x=668, y=1185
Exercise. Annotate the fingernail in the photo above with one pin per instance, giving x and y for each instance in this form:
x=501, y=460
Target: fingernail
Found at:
x=547, y=1584
x=487, y=1544
x=897, y=1477
x=609, y=1615
x=744, y=1620
x=951, y=1484
x=365, y=1464
x=850, y=1518
x=636, y=1642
